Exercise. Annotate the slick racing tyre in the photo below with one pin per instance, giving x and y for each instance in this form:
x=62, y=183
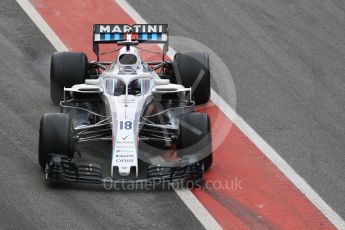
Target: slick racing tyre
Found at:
x=55, y=137
x=192, y=69
x=67, y=69
x=195, y=137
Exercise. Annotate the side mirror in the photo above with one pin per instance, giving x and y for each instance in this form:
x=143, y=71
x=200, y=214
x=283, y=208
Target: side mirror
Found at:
x=92, y=81
x=158, y=82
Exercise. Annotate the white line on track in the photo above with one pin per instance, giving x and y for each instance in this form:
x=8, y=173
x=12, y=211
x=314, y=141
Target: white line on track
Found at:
x=42, y=25
x=187, y=196
x=269, y=152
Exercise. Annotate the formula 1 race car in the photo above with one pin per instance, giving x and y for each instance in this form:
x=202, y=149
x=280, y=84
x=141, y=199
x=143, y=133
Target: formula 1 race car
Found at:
x=142, y=108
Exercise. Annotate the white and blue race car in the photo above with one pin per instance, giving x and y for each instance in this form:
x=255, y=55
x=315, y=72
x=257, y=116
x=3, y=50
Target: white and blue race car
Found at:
x=143, y=108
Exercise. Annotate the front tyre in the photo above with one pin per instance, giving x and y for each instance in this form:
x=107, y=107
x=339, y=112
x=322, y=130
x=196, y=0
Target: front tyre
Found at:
x=195, y=137
x=55, y=137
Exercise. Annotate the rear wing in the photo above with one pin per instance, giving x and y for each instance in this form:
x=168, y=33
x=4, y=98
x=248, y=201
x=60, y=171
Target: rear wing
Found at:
x=141, y=33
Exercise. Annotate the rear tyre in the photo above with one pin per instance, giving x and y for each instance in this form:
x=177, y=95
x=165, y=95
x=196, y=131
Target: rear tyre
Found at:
x=196, y=137
x=67, y=69
x=192, y=70
x=55, y=137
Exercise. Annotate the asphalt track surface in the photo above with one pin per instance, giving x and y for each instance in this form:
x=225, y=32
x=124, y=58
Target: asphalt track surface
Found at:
x=287, y=60
x=26, y=201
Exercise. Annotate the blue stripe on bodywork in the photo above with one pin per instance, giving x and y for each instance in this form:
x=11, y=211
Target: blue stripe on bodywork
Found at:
x=107, y=37
x=117, y=36
x=154, y=36
x=102, y=37
x=144, y=36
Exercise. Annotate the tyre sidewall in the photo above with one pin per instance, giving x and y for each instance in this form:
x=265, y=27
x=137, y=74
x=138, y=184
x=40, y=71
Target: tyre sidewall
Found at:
x=191, y=143
x=188, y=68
x=67, y=69
x=55, y=137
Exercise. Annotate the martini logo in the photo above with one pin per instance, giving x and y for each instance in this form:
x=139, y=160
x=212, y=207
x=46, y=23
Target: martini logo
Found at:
x=139, y=28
